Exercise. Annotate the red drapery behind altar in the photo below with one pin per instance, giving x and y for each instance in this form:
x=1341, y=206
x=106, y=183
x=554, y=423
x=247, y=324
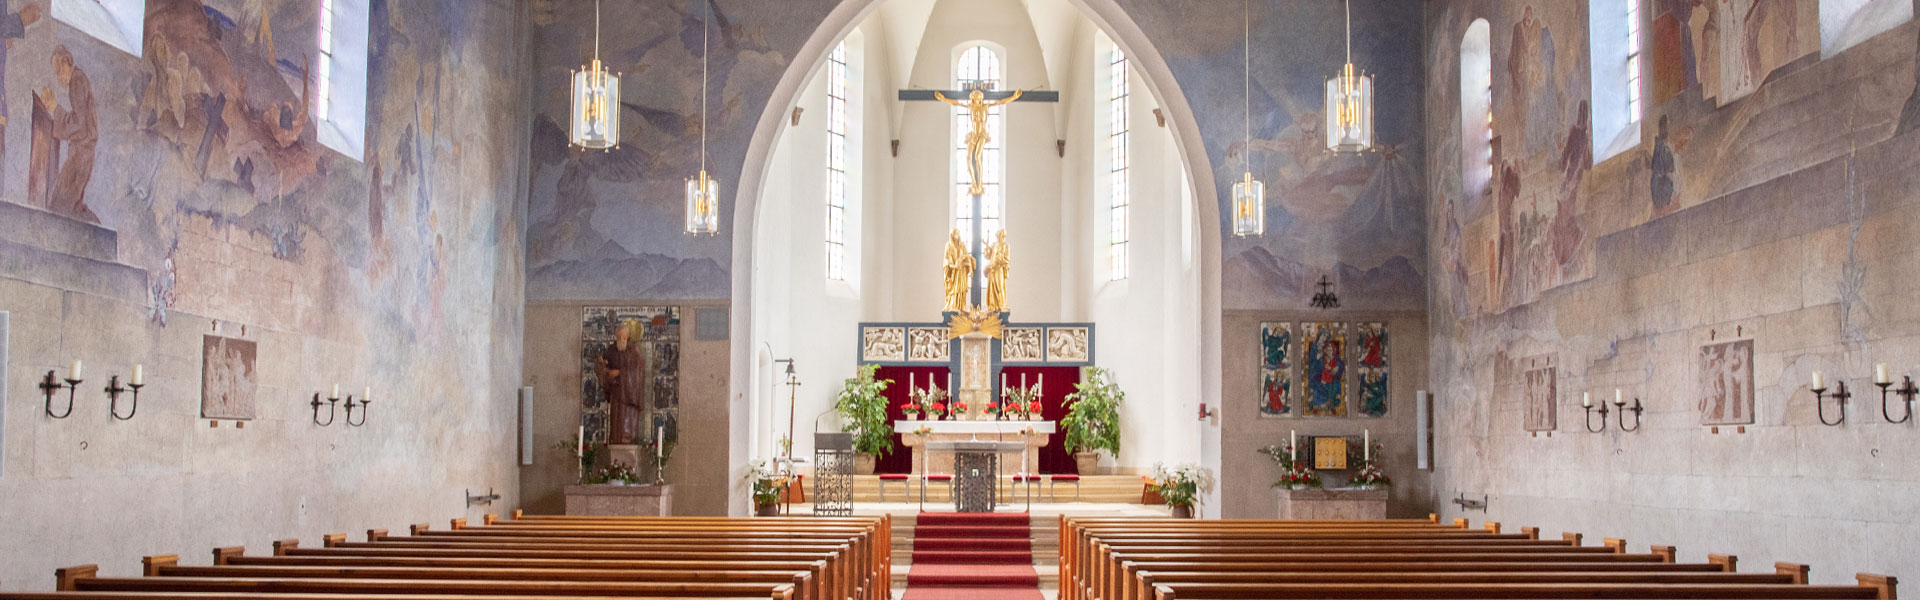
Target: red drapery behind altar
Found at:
x=1059, y=381
x=900, y=460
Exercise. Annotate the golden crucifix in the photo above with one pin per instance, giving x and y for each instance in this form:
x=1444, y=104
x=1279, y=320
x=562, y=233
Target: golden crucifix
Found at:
x=977, y=105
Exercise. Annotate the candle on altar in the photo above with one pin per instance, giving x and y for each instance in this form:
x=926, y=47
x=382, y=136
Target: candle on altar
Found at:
x=581, y=438
x=1366, y=444
x=911, y=380
x=659, y=442
x=140, y=374
x=1293, y=440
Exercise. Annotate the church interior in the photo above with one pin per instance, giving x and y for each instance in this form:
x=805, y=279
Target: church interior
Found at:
x=941, y=299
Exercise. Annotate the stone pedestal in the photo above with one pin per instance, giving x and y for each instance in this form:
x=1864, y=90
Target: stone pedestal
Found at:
x=604, y=500
x=1012, y=461
x=1340, y=504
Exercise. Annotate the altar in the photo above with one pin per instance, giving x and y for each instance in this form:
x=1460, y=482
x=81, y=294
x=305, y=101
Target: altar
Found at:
x=1032, y=435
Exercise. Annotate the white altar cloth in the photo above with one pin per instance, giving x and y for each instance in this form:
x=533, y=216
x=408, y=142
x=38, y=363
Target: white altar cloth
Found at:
x=975, y=427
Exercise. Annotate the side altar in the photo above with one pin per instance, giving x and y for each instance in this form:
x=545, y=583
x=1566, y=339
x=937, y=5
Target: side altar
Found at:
x=1032, y=435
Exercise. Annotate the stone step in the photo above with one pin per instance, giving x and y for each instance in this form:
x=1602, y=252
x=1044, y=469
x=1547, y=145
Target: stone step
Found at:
x=37, y=228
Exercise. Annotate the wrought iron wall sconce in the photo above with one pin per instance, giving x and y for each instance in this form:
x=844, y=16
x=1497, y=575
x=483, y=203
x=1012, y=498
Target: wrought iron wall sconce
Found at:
x=50, y=386
x=365, y=399
x=1619, y=406
x=1820, y=396
x=332, y=402
x=114, y=389
x=1906, y=391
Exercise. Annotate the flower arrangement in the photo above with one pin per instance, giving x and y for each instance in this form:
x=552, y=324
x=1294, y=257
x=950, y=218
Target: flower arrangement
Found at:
x=616, y=473
x=938, y=411
x=582, y=453
x=767, y=485
x=1027, y=431
x=926, y=399
x=923, y=430
x=1033, y=410
x=1020, y=401
x=1370, y=475
x=1180, y=485
x=1294, y=473
x=959, y=408
x=995, y=409
x=912, y=410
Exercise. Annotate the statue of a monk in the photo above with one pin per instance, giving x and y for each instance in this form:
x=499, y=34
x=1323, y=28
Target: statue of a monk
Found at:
x=959, y=273
x=622, y=370
x=999, y=262
x=977, y=137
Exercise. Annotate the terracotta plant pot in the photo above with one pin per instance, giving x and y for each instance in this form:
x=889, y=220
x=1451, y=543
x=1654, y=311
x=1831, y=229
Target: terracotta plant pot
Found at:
x=770, y=509
x=1086, y=462
x=863, y=463
x=1183, y=512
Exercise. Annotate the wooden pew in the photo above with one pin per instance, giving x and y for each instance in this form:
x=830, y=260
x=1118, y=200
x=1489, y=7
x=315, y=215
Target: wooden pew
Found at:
x=84, y=579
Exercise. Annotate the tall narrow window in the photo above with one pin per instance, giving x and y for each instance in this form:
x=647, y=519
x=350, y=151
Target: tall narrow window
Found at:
x=1476, y=108
x=1118, y=161
x=837, y=163
x=979, y=66
x=1633, y=60
x=340, y=77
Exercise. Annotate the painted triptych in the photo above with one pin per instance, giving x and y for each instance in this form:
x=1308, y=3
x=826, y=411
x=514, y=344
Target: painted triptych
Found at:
x=1276, y=369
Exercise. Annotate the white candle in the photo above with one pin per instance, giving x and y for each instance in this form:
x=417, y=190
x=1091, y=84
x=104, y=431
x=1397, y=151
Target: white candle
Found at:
x=660, y=441
x=1819, y=380
x=367, y=394
x=73, y=370
x=1293, y=439
x=1366, y=444
x=1586, y=399
x=1619, y=398
x=139, y=374
x=336, y=391
x=582, y=439
x=1880, y=374
x=1041, y=380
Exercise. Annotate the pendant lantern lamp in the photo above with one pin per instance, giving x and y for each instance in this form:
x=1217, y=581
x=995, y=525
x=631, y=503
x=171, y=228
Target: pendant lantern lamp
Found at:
x=1249, y=194
x=703, y=192
x=1350, y=103
x=596, y=100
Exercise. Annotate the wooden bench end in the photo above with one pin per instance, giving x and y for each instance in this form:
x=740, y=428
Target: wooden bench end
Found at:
x=1493, y=526
x=280, y=547
x=150, y=565
x=1431, y=517
x=419, y=528
x=490, y=519
x=64, y=578
x=1728, y=562
x=221, y=554
x=1667, y=554
x=1796, y=571
x=458, y=524
x=1618, y=545
x=333, y=540
x=1571, y=537
x=1532, y=533
x=375, y=535
x=516, y=514
x=1460, y=522
x=1884, y=584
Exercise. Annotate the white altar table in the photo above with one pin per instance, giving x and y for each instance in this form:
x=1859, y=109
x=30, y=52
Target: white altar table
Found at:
x=969, y=431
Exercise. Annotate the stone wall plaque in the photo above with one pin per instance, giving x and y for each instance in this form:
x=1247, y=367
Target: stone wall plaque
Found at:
x=929, y=344
x=1066, y=344
x=1726, y=383
x=883, y=344
x=1022, y=344
x=228, y=379
x=1541, y=392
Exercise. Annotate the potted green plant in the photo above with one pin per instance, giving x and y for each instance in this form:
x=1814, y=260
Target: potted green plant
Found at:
x=1093, y=419
x=766, y=489
x=1180, y=486
x=863, y=412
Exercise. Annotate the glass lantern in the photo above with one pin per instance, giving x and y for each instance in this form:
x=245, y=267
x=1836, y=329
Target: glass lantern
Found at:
x=596, y=108
x=703, y=214
x=1249, y=207
x=1350, y=111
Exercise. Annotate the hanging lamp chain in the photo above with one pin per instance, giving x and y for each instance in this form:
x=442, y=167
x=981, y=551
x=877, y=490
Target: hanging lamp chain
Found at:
x=1246, y=79
x=596, y=31
x=705, y=55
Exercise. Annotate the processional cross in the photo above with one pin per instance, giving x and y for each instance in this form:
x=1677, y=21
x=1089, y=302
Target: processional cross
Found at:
x=978, y=100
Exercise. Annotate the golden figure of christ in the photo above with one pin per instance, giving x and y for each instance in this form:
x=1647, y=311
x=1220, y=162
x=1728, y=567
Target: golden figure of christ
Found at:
x=976, y=105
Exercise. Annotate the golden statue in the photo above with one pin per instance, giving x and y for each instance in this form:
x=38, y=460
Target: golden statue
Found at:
x=959, y=273
x=976, y=106
x=999, y=261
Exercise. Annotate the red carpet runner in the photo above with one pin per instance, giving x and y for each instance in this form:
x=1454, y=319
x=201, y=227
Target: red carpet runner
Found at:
x=964, y=556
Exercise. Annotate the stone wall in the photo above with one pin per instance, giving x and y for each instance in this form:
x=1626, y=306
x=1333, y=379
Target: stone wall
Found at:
x=209, y=208
x=1771, y=205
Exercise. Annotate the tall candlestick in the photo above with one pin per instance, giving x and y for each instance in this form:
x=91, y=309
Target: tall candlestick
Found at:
x=1366, y=444
x=139, y=374
x=1880, y=374
x=581, y=438
x=1586, y=399
x=73, y=370
x=1819, y=380
x=660, y=441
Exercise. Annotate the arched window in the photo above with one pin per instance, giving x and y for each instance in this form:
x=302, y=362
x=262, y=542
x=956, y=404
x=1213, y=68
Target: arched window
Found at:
x=979, y=66
x=1476, y=108
x=1613, y=43
x=1844, y=23
x=839, y=162
x=1118, y=161
x=340, y=77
